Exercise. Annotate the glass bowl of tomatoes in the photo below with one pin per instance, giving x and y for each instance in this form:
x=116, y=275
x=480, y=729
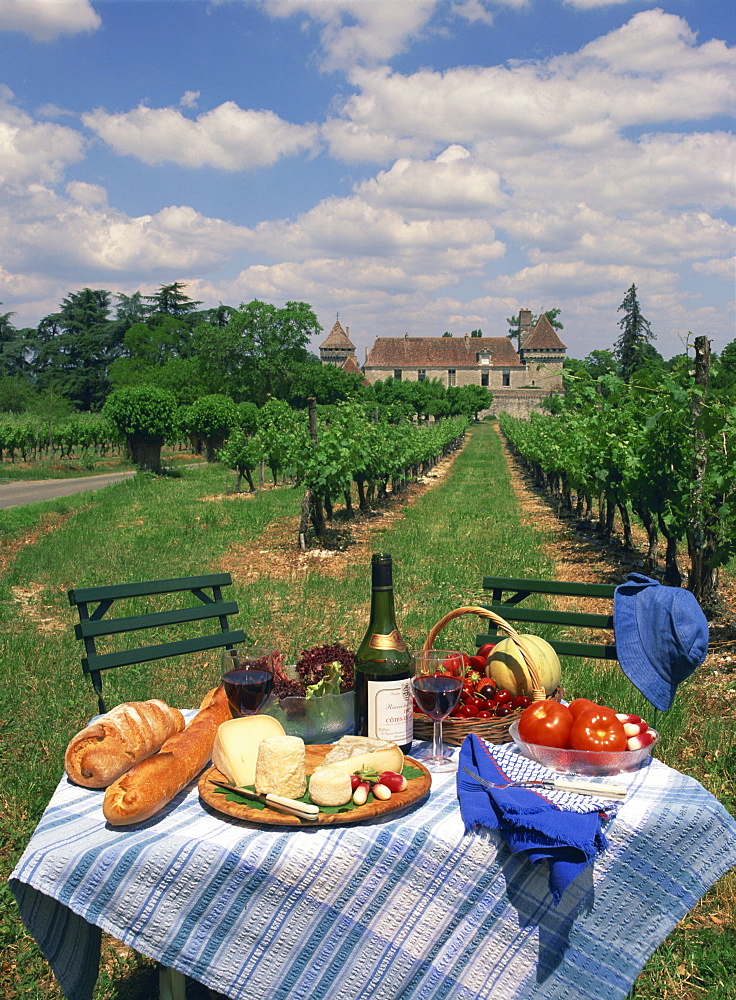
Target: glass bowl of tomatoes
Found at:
x=592, y=762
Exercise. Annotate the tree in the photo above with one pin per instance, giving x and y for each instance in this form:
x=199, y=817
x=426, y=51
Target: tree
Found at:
x=257, y=354
x=636, y=333
x=146, y=416
x=75, y=347
x=169, y=300
x=328, y=384
x=212, y=418
x=476, y=333
x=447, y=334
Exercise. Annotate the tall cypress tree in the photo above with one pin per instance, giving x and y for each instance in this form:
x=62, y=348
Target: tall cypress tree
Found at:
x=631, y=347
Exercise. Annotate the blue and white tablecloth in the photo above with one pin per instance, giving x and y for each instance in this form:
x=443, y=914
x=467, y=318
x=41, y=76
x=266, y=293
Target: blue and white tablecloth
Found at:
x=408, y=907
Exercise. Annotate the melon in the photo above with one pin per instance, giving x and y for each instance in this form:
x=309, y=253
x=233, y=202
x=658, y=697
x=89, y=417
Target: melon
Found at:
x=507, y=667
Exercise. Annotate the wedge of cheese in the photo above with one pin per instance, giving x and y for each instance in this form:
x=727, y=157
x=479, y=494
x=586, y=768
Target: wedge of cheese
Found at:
x=236, y=746
x=353, y=753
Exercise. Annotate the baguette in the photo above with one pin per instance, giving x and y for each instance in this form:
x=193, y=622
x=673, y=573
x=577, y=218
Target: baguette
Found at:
x=109, y=747
x=153, y=783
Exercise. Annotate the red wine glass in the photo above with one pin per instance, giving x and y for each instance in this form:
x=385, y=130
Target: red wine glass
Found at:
x=437, y=684
x=247, y=678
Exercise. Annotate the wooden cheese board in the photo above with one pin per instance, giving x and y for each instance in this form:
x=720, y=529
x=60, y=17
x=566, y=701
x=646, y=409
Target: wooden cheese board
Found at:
x=417, y=789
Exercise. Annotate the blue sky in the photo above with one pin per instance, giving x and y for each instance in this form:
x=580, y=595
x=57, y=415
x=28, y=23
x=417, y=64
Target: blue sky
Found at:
x=413, y=165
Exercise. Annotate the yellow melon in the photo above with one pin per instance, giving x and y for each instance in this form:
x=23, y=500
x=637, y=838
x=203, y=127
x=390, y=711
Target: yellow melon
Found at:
x=508, y=669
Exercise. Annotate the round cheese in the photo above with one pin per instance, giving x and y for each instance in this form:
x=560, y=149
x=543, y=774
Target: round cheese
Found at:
x=280, y=767
x=330, y=787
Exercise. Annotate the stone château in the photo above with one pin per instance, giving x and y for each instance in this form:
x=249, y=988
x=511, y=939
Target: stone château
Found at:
x=519, y=379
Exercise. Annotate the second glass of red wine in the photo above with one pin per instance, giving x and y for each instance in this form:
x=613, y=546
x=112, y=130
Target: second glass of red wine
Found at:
x=437, y=685
x=247, y=676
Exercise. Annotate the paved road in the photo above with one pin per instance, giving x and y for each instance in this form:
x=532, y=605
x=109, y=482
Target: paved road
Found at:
x=13, y=494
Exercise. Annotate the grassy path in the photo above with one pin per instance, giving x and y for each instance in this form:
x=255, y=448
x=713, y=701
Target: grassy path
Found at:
x=443, y=542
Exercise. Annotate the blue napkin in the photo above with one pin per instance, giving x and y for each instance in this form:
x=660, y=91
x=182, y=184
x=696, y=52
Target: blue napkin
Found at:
x=527, y=820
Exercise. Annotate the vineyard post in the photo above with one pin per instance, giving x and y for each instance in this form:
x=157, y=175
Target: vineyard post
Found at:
x=702, y=522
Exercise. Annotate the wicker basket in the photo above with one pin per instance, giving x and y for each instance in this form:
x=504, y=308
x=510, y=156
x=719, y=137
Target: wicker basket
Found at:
x=455, y=730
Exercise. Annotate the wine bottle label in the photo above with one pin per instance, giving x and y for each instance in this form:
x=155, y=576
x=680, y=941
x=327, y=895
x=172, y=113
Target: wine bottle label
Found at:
x=391, y=641
x=390, y=714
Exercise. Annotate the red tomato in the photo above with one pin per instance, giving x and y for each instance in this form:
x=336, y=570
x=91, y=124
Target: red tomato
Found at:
x=546, y=723
x=485, y=649
x=578, y=705
x=598, y=729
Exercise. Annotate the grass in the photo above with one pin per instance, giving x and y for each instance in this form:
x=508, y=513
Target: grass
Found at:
x=144, y=528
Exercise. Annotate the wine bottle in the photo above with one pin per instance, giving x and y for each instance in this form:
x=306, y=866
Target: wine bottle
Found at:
x=383, y=698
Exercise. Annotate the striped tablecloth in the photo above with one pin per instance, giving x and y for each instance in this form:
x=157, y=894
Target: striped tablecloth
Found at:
x=408, y=907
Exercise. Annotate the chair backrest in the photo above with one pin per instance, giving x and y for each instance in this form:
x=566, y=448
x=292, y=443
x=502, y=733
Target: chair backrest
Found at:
x=93, y=625
x=519, y=589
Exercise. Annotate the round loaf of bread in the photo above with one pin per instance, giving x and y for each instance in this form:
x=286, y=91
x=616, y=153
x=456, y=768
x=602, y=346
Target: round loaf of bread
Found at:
x=330, y=787
x=280, y=766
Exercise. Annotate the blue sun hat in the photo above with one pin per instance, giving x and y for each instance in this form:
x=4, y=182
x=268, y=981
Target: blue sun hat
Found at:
x=661, y=636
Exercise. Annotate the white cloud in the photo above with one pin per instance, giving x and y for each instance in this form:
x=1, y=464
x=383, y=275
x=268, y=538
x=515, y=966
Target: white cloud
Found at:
x=593, y=4
x=354, y=228
x=357, y=32
x=634, y=76
x=33, y=153
x=719, y=267
x=452, y=183
x=189, y=99
x=227, y=137
x=45, y=20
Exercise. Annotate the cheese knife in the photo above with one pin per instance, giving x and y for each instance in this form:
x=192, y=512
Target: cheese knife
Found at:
x=304, y=810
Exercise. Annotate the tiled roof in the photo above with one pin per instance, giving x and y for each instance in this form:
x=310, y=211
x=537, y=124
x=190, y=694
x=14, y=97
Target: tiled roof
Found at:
x=439, y=352
x=337, y=338
x=351, y=366
x=543, y=336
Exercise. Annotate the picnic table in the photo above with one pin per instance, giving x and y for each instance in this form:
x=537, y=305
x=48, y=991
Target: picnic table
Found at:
x=410, y=906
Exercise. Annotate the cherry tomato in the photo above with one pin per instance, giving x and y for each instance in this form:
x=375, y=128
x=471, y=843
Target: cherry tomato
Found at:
x=578, y=705
x=503, y=697
x=485, y=649
x=546, y=723
x=503, y=710
x=520, y=701
x=598, y=729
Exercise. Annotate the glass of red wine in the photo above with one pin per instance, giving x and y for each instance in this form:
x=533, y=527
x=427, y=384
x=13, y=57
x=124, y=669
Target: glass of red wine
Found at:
x=247, y=678
x=437, y=684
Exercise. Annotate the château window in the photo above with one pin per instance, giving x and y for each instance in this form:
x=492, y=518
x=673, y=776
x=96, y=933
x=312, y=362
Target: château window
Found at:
x=421, y=374
x=397, y=374
x=484, y=378
x=451, y=376
x=506, y=378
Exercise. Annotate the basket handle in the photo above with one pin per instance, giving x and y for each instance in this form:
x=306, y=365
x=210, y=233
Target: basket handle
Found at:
x=538, y=692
